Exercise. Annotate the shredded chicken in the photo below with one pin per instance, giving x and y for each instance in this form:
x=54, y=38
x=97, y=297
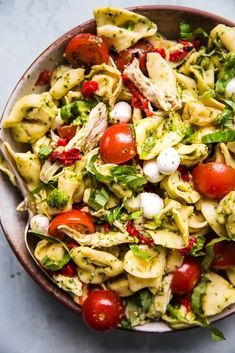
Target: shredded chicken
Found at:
x=89, y=135
x=164, y=97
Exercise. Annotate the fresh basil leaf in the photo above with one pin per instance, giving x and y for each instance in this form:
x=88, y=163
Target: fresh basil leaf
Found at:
x=207, y=259
x=225, y=119
x=197, y=250
x=200, y=32
x=216, y=240
x=114, y=214
x=53, y=265
x=128, y=176
x=134, y=310
x=216, y=334
x=226, y=74
x=92, y=169
x=98, y=199
x=124, y=217
x=140, y=253
x=197, y=295
x=145, y=299
x=185, y=31
x=44, y=151
x=219, y=136
x=48, y=238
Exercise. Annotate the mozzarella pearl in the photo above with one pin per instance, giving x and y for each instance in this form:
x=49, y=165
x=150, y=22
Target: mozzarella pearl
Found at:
x=151, y=170
x=151, y=204
x=39, y=223
x=168, y=161
x=230, y=88
x=122, y=112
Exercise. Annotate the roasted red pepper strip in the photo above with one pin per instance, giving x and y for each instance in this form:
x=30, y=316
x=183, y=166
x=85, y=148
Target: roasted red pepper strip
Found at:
x=106, y=227
x=160, y=51
x=179, y=54
x=43, y=78
x=89, y=88
x=196, y=43
x=135, y=233
x=66, y=157
x=138, y=100
x=62, y=142
x=187, y=249
x=184, y=172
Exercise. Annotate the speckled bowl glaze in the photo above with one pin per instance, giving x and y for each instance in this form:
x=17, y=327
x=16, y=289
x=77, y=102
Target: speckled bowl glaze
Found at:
x=13, y=223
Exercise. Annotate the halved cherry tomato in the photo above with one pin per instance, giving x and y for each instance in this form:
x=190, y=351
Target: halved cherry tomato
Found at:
x=102, y=310
x=186, y=277
x=67, y=131
x=214, y=180
x=76, y=219
x=139, y=51
x=224, y=255
x=87, y=49
x=117, y=144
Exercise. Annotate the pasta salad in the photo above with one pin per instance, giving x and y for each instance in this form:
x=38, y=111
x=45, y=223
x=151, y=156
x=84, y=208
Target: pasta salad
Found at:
x=131, y=172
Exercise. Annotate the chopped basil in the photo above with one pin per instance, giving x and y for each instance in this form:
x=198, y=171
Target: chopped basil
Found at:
x=44, y=151
x=140, y=253
x=144, y=298
x=114, y=214
x=187, y=34
x=197, y=250
x=98, y=199
x=219, y=136
x=224, y=119
x=54, y=265
x=226, y=74
x=216, y=334
x=197, y=295
x=126, y=324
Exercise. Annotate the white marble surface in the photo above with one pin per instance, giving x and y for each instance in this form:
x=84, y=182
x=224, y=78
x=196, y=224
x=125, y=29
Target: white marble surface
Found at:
x=31, y=321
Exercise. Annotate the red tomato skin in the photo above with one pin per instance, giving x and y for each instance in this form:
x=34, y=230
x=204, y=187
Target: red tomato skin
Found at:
x=102, y=310
x=87, y=49
x=67, y=132
x=224, y=255
x=69, y=270
x=138, y=50
x=214, y=180
x=117, y=144
x=186, y=277
x=74, y=219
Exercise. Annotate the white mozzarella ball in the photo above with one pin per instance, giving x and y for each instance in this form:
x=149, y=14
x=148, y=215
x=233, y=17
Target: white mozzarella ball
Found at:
x=230, y=88
x=122, y=112
x=151, y=204
x=168, y=161
x=39, y=223
x=151, y=170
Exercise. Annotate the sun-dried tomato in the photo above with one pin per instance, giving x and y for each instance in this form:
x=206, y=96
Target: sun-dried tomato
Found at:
x=66, y=158
x=135, y=233
x=187, y=249
x=43, y=78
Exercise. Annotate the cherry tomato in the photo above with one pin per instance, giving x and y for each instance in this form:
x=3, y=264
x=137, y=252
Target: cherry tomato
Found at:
x=69, y=270
x=76, y=219
x=102, y=310
x=214, y=180
x=186, y=277
x=67, y=131
x=87, y=49
x=139, y=51
x=117, y=144
x=224, y=255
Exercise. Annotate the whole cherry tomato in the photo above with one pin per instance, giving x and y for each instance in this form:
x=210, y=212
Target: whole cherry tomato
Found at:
x=102, y=310
x=117, y=145
x=224, y=255
x=87, y=49
x=67, y=131
x=186, y=277
x=214, y=180
x=76, y=219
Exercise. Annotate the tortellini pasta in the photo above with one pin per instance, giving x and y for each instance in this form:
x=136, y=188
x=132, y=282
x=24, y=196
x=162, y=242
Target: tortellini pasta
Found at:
x=95, y=266
x=120, y=285
x=122, y=28
x=52, y=256
x=152, y=267
x=209, y=211
x=198, y=114
x=72, y=285
x=224, y=35
x=192, y=154
x=179, y=189
x=31, y=117
x=226, y=213
x=109, y=82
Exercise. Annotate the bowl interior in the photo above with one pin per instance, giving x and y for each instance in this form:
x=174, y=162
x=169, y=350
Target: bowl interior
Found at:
x=13, y=223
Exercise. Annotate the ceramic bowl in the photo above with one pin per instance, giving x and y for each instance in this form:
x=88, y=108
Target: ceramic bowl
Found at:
x=13, y=223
